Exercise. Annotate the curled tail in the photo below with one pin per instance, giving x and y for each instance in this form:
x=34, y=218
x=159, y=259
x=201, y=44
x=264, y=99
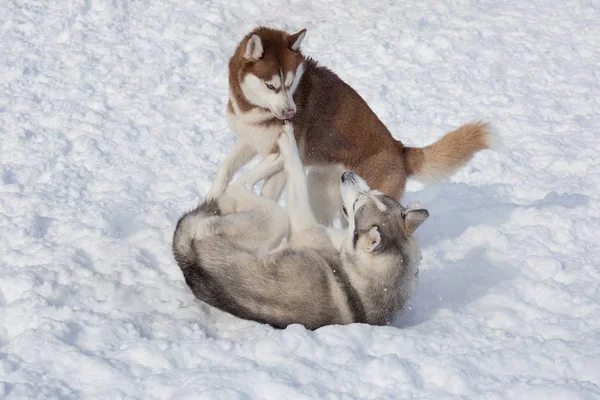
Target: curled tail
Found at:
x=443, y=158
x=186, y=230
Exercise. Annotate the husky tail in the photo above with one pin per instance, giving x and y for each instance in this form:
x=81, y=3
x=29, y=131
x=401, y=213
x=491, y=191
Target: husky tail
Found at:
x=443, y=158
x=189, y=227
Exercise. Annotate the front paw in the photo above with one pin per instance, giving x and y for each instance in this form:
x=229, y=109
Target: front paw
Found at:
x=288, y=128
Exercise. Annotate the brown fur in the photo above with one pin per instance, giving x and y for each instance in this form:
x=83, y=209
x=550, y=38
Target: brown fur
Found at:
x=277, y=54
x=449, y=153
x=333, y=123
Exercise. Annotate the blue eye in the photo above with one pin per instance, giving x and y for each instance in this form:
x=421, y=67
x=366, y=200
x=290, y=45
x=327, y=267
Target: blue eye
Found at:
x=270, y=86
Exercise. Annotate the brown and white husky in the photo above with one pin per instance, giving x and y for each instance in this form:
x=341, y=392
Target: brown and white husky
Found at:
x=271, y=81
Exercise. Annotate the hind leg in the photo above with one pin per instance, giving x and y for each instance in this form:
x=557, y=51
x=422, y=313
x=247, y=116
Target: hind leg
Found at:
x=274, y=185
x=253, y=221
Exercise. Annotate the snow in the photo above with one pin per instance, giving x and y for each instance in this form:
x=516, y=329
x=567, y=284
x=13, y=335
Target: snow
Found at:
x=112, y=124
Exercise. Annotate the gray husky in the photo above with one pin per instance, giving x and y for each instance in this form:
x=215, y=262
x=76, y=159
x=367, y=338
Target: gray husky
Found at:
x=233, y=256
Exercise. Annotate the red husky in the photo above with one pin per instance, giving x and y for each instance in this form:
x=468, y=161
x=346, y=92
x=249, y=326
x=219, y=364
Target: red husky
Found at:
x=271, y=81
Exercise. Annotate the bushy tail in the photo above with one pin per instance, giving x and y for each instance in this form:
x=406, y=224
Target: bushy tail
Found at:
x=185, y=232
x=443, y=158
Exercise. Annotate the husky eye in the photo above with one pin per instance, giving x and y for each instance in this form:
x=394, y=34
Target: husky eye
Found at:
x=355, y=239
x=271, y=87
x=345, y=211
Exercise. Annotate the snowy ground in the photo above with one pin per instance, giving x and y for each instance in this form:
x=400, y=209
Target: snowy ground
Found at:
x=112, y=124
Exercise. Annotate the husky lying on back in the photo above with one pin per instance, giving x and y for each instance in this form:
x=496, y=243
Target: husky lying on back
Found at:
x=226, y=249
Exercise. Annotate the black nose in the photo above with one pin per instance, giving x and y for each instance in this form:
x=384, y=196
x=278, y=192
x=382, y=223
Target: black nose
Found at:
x=347, y=176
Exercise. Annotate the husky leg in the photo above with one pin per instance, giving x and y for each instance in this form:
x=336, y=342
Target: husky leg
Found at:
x=240, y=155
x=298, y=203
x=269, y=165
x=274, y=185
x=254, y=221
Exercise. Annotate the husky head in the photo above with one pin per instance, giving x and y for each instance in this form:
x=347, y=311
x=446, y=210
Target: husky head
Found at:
x=269, y=68
x=377, y=224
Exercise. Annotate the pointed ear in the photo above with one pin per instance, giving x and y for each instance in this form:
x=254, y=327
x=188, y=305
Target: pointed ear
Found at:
x=254, y=49
x=296, y=40
x=413, y=219
x=373, y=238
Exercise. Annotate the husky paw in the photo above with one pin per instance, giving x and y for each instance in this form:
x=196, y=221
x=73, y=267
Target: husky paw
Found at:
x=288, y=128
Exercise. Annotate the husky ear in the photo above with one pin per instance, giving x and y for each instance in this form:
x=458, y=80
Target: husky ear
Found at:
x=296, y=40
x=413, y=219
x=254, y=48
x=373, y=238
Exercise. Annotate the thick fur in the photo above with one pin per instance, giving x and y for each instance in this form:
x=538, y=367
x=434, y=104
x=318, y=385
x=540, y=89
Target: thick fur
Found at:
x=227, y=251
x=333, y=124
x=443, y=158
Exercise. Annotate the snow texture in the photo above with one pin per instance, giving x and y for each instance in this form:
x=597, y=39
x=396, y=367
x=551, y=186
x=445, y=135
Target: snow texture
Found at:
x=112, y=124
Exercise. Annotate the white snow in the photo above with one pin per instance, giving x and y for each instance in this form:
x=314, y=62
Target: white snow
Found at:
x=112, y=124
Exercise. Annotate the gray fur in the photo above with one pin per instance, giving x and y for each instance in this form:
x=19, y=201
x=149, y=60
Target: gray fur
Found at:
x=226, y=249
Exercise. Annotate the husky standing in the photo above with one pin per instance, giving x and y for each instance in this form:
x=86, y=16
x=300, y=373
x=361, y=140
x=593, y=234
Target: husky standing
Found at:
x=270, y=81
x=227, y=251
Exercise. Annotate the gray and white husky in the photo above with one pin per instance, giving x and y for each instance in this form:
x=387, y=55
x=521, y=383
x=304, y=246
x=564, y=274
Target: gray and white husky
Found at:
x=233, y=256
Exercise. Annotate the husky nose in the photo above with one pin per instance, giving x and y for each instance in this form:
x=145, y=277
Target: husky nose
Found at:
x=289, y=113
x=347, y=176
